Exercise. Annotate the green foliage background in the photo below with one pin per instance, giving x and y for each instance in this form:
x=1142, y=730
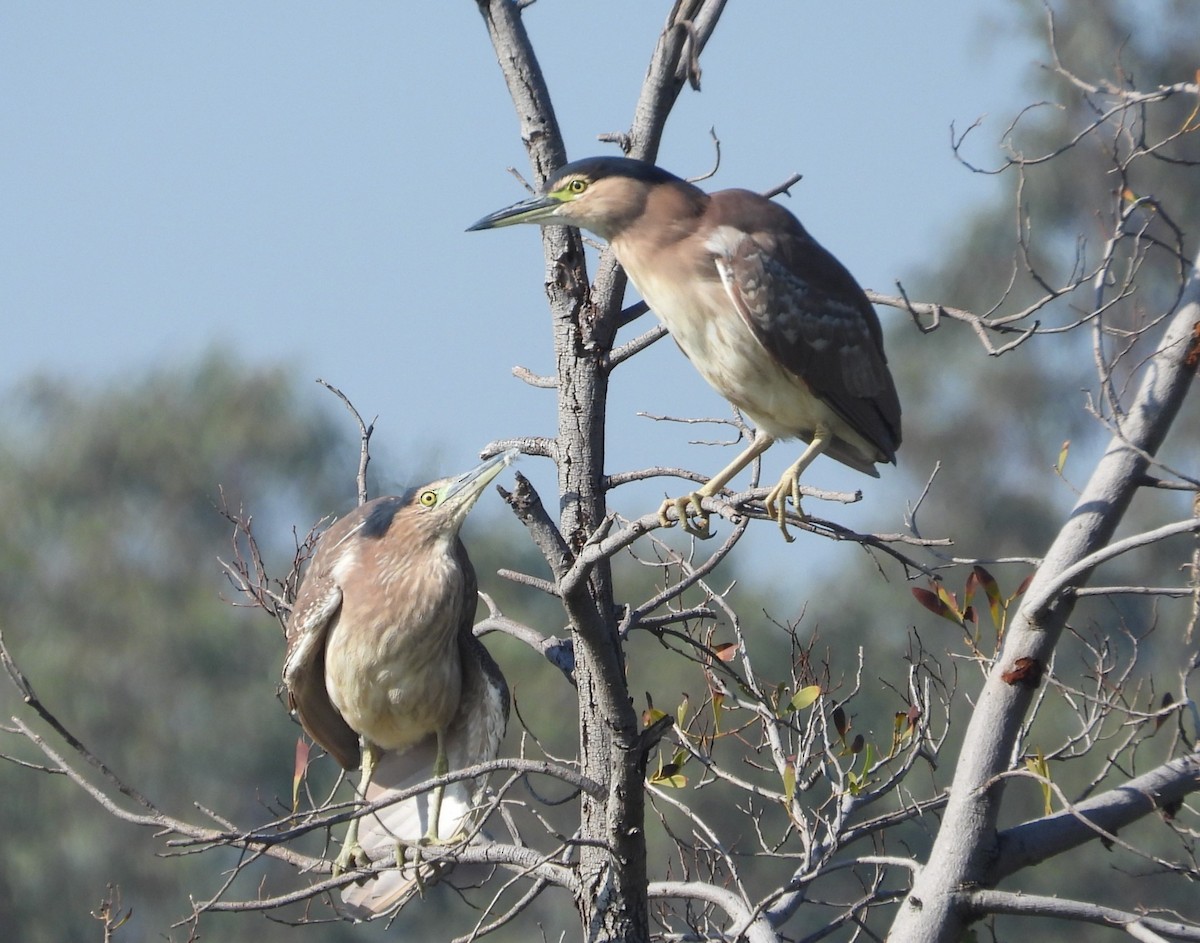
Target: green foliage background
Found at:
x=112, y=594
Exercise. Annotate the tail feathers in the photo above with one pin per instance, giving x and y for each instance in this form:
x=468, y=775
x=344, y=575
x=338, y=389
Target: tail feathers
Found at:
x=407, y=821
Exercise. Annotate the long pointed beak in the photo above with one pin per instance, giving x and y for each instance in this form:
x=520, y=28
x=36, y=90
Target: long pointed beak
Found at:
x=536, y=210
x=461, y=493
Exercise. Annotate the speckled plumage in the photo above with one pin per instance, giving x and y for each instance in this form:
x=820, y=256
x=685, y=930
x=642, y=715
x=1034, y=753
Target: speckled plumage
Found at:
x=767, y=316
x=381, y=648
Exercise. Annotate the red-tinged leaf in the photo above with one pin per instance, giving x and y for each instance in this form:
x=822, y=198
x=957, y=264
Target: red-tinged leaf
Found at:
x=969, y=615
x=992, y=589
x=948, y=598
x=726, y=651
x=857, y=744
x=906, y=721
x=651, y=716
x=303, y=748
x=934, y=603
x=1167, y=700
x=839, y=722
x=1024, y=586
x=1025, y=671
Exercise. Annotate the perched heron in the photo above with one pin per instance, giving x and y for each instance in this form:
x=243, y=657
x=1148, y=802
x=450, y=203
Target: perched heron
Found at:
x=770, y=319
x=383, y=668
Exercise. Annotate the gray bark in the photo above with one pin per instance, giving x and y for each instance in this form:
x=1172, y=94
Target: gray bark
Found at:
x=967, y=849
x=612, y=896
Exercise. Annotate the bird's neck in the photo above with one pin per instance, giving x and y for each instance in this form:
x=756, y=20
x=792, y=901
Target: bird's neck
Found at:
x=666, y=215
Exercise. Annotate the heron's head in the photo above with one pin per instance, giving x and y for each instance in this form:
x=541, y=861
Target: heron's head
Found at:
x=432, y=513
x=601, y=194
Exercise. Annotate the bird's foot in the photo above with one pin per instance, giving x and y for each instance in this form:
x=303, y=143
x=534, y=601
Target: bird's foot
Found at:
x=700, y=529
x=776, y=500
x=353, y=856
x=410, y=856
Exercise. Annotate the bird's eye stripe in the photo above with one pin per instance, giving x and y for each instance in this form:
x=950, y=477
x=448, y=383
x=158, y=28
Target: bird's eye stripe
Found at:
x=570, y=189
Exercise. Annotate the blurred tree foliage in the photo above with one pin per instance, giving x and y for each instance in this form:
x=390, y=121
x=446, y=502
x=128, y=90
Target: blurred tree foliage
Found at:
x=117, y=610
x=112, y=590
x=112, y=604
x=997, y=424
x=1003, y=420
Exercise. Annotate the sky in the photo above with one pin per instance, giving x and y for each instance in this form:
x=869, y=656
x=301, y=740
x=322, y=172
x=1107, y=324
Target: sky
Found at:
x=290, y=182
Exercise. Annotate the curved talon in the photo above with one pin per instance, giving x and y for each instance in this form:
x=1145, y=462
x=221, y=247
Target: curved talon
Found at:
x=775, y=503
x=402, y=862
x=680, y=505
x=352, y=857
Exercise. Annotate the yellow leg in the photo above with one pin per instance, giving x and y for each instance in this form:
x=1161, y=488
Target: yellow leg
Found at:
x=432, y=836
x=789, y=484
x=718, y=481
x=352, y=854
x=441, y=766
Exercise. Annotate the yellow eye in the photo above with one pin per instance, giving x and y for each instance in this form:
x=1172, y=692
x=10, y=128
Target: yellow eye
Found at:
x=577, y=186
x=428, y=498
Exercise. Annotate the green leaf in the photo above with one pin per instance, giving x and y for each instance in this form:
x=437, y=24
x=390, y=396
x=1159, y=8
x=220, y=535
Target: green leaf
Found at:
x=789, y=782
x=668, y=776
x=948, y=599
x=805, y=697
x=1037, y=765
x=1062, y=458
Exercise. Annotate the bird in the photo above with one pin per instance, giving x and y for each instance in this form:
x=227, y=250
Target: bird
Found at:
x=383, y=668
x=770, y=318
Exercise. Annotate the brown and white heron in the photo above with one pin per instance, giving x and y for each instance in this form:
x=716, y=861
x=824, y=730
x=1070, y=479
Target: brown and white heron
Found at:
x=383, y=668
x=771, y=320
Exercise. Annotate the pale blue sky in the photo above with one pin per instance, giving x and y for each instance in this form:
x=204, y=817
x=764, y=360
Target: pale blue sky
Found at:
x=292, y=181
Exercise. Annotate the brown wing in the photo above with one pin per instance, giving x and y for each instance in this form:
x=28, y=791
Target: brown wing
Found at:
x=807, y=310
x=318, y=604
x=482, y=716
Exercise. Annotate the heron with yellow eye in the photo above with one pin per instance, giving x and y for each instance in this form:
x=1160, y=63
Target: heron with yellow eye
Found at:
x=381, y=653
x=771, y=319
